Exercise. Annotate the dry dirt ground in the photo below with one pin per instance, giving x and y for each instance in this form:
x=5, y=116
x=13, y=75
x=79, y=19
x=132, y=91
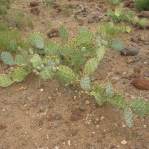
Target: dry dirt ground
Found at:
x=45, y=115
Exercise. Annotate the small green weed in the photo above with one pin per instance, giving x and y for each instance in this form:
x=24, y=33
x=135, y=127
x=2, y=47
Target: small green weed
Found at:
x=10, y=40
x=142, y=4
x=115, y=2
x=125, y=15
x=4, y=6
x=49, y=3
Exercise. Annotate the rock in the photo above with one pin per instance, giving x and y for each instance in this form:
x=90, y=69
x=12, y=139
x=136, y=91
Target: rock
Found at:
x=142, y=84
x=145, y=126
x=124, y=142
x=82, y=107
x=74, y=97
x=53, y=33
x=69, y=143
x=56, y=147
x=34, y=4
x=129, y=51
x=41, y=90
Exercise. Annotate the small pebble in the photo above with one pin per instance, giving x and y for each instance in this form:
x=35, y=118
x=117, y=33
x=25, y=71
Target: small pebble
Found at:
x=102, y=118
x=69, y=142
x=56, y=147
x=47, y=136
x=145, y=63
x=53, y=33
x=124, y=142
x=41, y=90
x=3, y=110
x=124, y=126
x=82, y=107
x=124, y=73
x=75, y=97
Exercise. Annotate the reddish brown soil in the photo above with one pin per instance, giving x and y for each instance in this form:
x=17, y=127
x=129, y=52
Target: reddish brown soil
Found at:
x=46, y=115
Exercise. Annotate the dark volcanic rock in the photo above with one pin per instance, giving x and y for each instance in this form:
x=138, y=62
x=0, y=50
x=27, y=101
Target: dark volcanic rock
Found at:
x=129, y=51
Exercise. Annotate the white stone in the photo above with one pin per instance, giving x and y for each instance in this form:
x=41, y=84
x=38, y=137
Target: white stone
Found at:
x=124, y=142
x=41, y=90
